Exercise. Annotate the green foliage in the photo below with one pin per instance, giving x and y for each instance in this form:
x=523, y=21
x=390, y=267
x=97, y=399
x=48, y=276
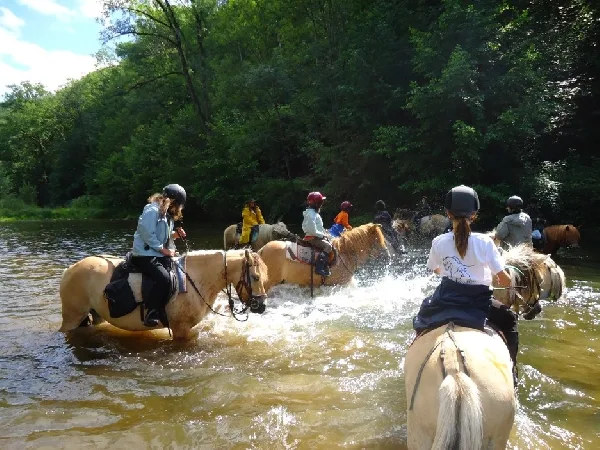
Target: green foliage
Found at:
x=360, y=100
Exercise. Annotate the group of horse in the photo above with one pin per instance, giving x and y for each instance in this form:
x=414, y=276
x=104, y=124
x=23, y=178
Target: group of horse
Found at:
x=459, y=382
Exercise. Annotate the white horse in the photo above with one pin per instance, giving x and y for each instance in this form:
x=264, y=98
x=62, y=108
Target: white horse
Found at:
x=266, y=233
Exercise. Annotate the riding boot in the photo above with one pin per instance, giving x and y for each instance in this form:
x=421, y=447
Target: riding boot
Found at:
x=151, y=318
x=322, y=265
x=512, y=342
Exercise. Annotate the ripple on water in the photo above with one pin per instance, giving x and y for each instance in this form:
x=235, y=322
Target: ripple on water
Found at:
x=309, y=373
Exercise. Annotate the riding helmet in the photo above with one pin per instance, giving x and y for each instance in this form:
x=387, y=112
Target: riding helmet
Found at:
x=462, y=201
x=346, y=205
x=175, y=192
x=514, y=202
x=380, y=205
x=315, y=198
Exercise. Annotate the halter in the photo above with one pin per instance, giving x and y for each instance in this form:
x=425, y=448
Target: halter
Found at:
x=244, y=283
x=528, y=307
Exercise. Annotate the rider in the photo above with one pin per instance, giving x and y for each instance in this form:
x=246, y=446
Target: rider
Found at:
x=153, y=245
x=467, y=261
x=251, y=218
x=340, y=223
x=312, y=225
x=538, y=223
x=423, y=210
x=516, y=227
x=383, y=217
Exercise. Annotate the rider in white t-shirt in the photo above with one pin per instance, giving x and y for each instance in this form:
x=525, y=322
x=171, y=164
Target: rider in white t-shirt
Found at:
x=467, y=263
x=481, y=260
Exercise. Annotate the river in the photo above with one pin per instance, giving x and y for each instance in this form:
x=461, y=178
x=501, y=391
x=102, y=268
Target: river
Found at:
x=319, y=373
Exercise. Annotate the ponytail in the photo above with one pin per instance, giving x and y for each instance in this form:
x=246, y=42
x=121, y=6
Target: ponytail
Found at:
x=462, y=230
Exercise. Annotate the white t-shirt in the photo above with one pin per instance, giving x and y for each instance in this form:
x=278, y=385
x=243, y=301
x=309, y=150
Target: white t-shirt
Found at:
x=481, y=261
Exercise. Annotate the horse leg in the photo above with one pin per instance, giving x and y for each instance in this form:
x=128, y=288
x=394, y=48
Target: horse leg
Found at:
x=96, y=318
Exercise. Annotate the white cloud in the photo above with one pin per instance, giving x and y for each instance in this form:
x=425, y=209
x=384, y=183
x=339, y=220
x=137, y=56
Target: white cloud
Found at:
x=21, y=61
x=49, y=8
x=90, y=8
x=9, y=21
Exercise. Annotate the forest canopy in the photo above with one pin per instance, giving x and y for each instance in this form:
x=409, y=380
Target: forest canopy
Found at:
x=358, y=99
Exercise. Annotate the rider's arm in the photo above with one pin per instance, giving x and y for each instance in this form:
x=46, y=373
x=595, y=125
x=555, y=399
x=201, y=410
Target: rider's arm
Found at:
x=259, y=215
x=147, y=228
x=502, y=229
x=433, y=262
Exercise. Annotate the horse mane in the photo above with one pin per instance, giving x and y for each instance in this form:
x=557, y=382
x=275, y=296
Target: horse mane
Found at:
x=360, y=239
x=524, y=257
x=558, y=233
x=233, y=255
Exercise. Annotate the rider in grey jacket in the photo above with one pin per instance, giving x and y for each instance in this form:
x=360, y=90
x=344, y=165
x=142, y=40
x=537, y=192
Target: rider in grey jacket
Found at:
x=515, y=228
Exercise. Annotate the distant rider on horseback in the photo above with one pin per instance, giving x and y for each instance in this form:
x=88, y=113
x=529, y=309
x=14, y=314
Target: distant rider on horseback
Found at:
x=315, y=233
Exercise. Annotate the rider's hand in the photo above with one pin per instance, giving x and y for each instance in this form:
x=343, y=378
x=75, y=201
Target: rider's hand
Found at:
x=181, y=232
x=167, y=252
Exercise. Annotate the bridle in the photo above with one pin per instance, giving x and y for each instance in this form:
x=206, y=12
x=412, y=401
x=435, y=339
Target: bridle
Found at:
x=254, y=302
x=528, y=307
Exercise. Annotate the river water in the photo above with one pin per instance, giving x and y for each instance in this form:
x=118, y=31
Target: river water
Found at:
x=320, y=373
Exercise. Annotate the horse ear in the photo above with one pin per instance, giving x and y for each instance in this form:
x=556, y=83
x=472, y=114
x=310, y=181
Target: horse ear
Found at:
x=247, y=255
x=567, y=228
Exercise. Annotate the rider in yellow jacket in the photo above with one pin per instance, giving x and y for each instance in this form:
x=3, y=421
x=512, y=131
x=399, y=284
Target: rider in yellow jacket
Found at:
x=251, y=216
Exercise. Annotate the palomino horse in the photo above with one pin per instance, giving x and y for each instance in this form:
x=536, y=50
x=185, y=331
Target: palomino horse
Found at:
x=556, y=236
x=266, y=233
x=536, y=276
x=469, y=401
x=459, y=389
x=82, y=289
x=353, y=247
x=429, y=226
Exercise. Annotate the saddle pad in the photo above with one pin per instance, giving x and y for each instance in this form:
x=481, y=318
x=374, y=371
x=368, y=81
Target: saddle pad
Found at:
x=298, y=253
x=180, y=270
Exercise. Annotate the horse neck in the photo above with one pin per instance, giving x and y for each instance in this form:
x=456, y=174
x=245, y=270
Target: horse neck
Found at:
x=358, y=255
x=207, y=271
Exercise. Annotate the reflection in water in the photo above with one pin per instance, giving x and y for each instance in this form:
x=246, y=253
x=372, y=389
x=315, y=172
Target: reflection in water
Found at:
x=309, y=373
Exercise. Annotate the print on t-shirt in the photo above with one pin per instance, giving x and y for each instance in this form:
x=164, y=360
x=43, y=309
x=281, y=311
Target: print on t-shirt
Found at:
x=457, y=270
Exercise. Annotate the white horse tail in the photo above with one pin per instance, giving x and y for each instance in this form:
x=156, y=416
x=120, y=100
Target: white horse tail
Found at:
x=460, y=416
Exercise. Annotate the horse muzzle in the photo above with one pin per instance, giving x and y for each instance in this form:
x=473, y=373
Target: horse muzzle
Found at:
x=257, y=304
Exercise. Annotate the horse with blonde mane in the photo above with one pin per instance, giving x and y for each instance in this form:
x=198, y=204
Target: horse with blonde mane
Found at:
x=208, y=271
x=556, y=236
x=266, y=233
x=536, y=276
x=474, y=383
x=354, y=247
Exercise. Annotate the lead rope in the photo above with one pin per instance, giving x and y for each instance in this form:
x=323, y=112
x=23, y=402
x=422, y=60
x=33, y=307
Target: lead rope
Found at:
x=227, y=292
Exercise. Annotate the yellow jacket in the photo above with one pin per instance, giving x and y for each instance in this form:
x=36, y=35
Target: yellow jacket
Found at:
x=249, y=219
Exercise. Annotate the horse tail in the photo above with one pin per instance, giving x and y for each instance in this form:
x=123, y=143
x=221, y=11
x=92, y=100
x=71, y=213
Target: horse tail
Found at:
x=460, y=415
x=459, y=399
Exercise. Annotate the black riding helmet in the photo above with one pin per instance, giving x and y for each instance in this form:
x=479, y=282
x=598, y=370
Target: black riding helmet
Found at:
x=380, y=205
x=175, y=192
x=462, y=201
x=514, y=202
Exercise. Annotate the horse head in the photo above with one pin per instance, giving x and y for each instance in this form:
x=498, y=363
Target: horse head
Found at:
x=253, y=275
x=526, y=270
x=571, y=236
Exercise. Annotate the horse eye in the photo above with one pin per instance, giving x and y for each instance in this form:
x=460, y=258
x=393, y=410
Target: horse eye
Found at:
x=255, y=277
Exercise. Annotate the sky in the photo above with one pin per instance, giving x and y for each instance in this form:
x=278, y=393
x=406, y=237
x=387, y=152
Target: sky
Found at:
x=47, y=41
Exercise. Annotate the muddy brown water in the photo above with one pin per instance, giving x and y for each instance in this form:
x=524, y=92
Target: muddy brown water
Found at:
x=317, y=373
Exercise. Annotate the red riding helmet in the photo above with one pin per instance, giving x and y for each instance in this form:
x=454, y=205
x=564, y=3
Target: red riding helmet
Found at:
x=315, y=198
x=346, y=205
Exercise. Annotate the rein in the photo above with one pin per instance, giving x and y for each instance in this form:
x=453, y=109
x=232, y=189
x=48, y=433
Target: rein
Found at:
x=244, y=283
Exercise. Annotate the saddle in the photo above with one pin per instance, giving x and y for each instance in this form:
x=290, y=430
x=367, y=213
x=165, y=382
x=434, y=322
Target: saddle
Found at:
x=120, y=295
x=303, y=252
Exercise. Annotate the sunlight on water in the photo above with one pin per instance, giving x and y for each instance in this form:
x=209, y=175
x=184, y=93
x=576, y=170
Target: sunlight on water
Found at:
x=322, y=372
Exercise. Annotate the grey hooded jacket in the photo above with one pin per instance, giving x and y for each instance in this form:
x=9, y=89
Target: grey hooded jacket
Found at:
x=515, y=229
